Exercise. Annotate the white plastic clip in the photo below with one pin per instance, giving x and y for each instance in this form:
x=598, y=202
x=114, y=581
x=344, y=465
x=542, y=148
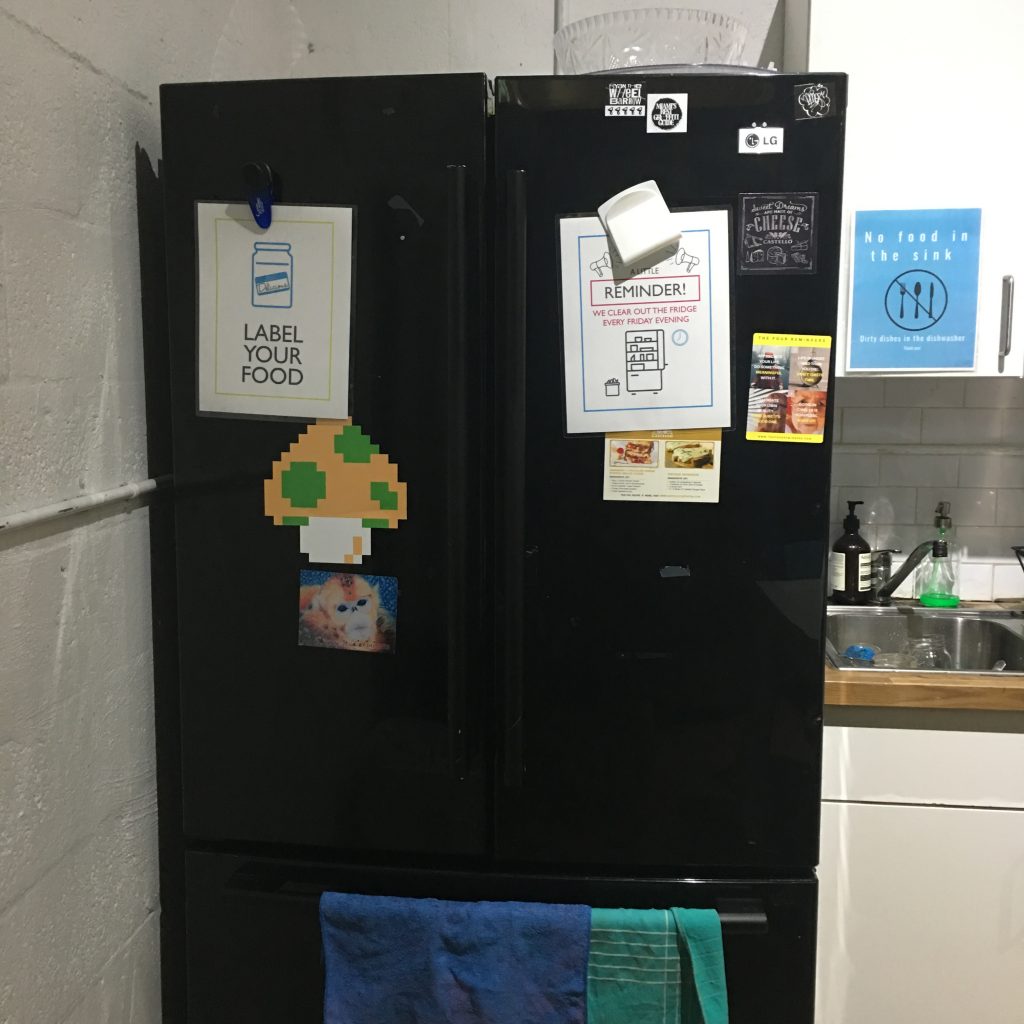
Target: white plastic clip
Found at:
x=638, y=222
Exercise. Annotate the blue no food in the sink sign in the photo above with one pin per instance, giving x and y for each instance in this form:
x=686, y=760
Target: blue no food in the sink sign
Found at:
x=914, y=296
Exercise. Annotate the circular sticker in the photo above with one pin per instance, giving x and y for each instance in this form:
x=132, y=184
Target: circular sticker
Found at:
x=666, y=113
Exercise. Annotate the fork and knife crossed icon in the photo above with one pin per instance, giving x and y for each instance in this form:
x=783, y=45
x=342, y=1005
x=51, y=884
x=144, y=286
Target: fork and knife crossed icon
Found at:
x=916, y=298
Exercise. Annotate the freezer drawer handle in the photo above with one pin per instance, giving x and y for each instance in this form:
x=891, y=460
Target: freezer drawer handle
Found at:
x=1006, y=321
x=742, y=916
x=512, y=385
x=458, y=458
x=739, y=915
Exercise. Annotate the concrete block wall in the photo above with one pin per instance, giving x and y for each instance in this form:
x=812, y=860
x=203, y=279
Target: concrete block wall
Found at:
x=902, y=445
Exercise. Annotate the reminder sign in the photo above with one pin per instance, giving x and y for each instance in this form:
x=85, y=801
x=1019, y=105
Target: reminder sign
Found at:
x=274, y=311
x=646, y=347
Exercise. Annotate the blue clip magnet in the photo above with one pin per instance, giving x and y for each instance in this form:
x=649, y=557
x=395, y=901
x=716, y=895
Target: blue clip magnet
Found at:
x=259, y=191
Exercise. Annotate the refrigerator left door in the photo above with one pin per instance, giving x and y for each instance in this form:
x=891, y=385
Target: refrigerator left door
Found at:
x=308, y=744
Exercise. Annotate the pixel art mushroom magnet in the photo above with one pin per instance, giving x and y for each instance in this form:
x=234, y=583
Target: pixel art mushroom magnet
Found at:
x=334, y=484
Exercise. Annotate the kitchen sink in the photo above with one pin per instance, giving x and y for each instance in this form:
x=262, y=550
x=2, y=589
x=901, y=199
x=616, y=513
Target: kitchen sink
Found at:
x=985, y=642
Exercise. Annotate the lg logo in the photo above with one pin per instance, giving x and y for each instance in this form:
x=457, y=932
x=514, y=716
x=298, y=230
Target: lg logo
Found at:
x=760, y=140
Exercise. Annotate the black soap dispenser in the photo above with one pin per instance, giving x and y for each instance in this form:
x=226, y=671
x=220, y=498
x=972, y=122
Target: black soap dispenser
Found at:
x=851, y=562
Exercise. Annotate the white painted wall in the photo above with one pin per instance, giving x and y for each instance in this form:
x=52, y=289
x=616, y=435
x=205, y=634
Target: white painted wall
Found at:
x=78, y=880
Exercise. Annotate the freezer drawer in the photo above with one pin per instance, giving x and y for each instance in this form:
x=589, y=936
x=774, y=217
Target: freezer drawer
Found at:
x=254, y=943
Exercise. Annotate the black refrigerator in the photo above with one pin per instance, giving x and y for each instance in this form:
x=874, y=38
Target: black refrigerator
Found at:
x=613, y=703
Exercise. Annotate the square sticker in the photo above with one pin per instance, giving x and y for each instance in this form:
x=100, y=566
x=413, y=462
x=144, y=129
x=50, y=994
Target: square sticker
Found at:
x=347, y=611
x=666, y=112
x=813, y=100
x=625, y=99
x=778, y=233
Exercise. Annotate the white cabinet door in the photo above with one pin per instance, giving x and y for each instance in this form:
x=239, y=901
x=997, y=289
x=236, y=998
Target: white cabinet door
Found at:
x=934, y=100
x=921, y=915
x=959, y=763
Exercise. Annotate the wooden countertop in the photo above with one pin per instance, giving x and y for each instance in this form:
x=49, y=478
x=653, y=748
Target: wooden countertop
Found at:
x=877, y=689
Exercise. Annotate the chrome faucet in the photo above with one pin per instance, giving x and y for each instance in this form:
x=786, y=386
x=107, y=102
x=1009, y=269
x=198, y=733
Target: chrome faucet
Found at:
x=888, y=584
x=881, y=565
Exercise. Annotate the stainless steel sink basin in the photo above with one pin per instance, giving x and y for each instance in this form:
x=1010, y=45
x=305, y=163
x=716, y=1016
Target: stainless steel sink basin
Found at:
x=976, y=641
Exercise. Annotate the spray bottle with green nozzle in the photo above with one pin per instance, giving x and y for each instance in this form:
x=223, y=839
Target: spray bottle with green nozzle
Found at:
x=938, y=576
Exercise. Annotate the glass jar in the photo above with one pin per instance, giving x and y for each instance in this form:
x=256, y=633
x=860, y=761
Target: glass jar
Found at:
x=929, y=653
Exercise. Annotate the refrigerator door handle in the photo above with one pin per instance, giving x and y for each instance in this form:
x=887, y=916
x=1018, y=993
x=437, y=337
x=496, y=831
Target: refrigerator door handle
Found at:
x=457, y=472
x=512, y=420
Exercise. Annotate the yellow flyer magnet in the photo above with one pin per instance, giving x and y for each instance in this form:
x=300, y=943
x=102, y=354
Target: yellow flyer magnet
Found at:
x=789, y=382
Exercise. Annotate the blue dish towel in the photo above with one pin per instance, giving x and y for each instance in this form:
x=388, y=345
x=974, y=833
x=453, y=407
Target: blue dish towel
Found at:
x=390, y=960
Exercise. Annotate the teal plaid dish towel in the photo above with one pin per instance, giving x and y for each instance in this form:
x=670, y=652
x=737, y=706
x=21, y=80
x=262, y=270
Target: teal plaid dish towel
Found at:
x=656, y=967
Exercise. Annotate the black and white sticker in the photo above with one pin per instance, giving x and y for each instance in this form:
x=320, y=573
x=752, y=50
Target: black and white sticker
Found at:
x=761, y=139
x=666, y=112
x=625, y=99
x=812, y=100
x=778, y=233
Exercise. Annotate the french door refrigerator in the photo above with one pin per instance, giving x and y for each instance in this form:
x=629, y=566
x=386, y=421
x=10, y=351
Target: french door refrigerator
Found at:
x=561, y=719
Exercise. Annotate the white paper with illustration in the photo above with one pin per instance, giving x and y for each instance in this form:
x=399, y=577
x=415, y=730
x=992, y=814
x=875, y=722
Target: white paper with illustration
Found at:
x=647, y=347
x=274, y=311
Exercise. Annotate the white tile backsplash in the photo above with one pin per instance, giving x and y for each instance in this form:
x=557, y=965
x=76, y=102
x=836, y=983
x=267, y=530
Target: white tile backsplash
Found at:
x=961, y=426
x=990, y=542
x=924, y=392
x=1007, y=580
x=856, y=469
x=1010, y=509
x=916, y=470
x=881, y=426
x=904, y=444
x=993, y=393
x=859, y=391
x=974, y=581
x=881, y=505
x=903, y=537
x=1013, y=426
x=968, y=506
x=978, y=469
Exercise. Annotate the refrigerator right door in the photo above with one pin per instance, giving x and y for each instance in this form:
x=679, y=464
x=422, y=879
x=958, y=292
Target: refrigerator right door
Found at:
x=661, y=661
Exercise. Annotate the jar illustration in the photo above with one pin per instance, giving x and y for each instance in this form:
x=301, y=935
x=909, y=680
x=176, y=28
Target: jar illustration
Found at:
x=272, y=274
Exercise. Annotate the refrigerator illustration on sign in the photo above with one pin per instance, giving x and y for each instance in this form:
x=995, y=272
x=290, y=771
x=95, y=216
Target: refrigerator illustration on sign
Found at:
x=645, y=360
x=572, y=700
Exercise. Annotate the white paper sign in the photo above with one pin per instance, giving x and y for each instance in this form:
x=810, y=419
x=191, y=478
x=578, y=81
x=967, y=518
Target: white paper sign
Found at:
x=274, y=310
x=647, y=347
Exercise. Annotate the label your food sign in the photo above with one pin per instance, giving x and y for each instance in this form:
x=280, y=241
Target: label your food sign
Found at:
x=274, y=310
x=646, y=347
